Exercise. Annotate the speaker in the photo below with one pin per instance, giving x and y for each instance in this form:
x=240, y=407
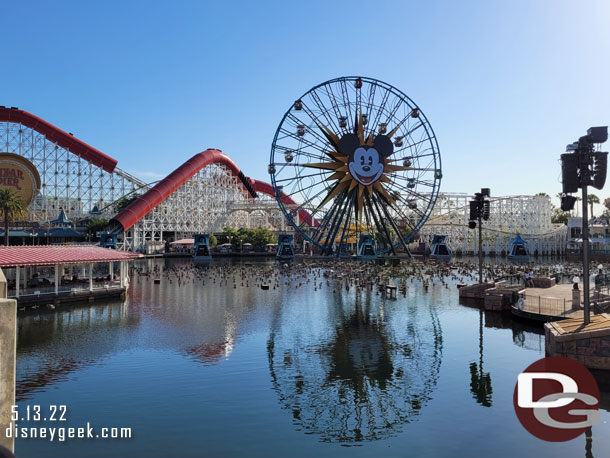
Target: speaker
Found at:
x=598, y=134
x=486, y=209
x=474, y=209
x=567, y=203
x=569, y=172
x=600, y=166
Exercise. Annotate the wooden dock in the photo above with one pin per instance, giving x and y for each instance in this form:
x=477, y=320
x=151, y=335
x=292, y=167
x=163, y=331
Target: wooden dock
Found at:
x=575, y=325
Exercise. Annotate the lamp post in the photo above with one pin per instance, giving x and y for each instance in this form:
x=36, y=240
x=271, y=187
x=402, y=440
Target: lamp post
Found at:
x=582, y=166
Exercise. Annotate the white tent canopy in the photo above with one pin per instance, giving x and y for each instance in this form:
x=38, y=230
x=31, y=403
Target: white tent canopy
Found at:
x=183, y=242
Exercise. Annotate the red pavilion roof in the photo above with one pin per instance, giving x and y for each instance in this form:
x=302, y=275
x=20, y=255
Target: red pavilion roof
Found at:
x=46, y=255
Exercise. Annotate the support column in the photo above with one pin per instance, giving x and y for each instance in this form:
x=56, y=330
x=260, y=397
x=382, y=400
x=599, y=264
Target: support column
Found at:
x=122, y=269
x=90, y=276
x=111, y=271
x=585, y=253
x=8, y=348
x=17, y=280
x=56, y=279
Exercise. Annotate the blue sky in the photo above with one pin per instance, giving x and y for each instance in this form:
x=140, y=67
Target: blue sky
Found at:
x=505, y=84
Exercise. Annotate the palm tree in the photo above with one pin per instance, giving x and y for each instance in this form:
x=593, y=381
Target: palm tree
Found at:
x=577, y=206
x=592, y=199
x=559, y=195
x=11, y=206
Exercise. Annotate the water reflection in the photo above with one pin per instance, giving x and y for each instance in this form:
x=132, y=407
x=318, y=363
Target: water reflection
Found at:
x=525, y=335
x=52, y=345
x=370, y=372
x=480, y=381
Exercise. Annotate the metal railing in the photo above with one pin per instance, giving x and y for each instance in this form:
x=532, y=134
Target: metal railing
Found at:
x=600, y=299
x=63, y=289
x=549, y=306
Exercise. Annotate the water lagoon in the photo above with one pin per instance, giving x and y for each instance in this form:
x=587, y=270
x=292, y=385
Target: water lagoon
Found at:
x=208, y=363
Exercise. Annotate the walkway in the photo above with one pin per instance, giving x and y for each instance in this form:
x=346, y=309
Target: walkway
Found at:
x=547, y=304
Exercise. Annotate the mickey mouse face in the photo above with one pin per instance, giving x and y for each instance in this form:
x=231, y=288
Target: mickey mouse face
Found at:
x=366, y=163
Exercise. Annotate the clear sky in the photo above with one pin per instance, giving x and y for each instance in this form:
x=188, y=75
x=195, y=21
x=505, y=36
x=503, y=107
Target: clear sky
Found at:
x=505, y=84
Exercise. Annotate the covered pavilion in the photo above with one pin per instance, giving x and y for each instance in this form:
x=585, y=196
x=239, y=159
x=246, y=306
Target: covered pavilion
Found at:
x=37, y=274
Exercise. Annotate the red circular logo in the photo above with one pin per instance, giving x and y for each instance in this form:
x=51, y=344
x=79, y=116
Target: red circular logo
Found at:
x=556, y=399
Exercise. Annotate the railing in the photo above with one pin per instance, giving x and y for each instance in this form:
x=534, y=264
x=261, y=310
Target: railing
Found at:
x=63, y=289
x=513, y=280
x=549, y=306
x=600, y=299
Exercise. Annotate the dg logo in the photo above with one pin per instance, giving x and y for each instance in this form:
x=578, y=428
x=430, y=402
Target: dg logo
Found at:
x=556, y=399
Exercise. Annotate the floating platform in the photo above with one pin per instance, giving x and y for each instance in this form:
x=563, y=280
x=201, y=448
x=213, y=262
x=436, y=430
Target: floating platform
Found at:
x=547, y=304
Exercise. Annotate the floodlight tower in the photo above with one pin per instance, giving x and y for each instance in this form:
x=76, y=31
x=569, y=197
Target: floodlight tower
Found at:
x=479, y=210
x=583, y=166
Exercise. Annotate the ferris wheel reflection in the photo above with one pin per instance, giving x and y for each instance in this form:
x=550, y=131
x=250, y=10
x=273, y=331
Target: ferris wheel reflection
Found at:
x=363, y=378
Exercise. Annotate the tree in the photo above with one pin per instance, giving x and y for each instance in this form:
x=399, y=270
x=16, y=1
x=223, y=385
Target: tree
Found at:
x=559, y=216
x=592, y=199
x=228, y=235
x=96, y=225
x=124, y=201
x=11, y=207
x=261, y=237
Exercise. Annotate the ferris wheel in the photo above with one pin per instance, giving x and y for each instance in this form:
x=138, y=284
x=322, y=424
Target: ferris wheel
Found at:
x=355, y=157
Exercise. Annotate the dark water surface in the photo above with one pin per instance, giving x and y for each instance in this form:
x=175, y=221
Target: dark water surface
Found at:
x=212, y=370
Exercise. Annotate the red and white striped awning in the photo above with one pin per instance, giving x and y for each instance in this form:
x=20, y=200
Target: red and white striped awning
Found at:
x=47, y=255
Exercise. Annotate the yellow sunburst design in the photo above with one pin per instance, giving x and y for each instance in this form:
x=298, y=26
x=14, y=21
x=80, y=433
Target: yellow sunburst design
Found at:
x=338, y=163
